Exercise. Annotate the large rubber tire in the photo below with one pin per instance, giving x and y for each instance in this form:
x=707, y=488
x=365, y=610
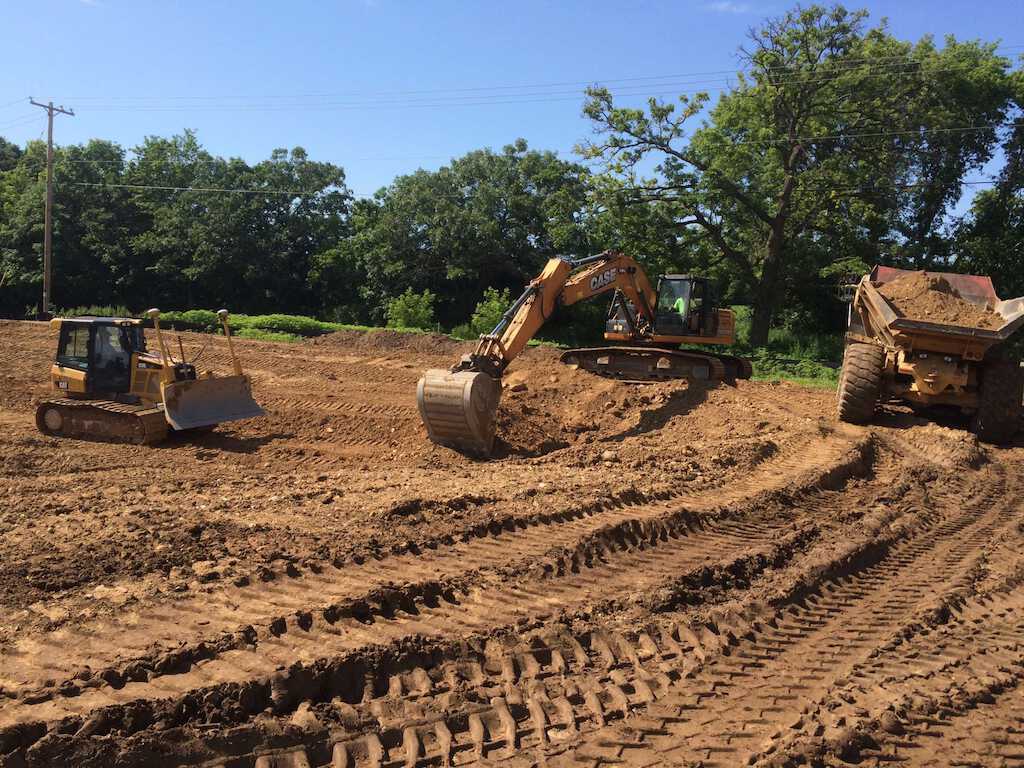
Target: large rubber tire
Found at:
x=860, y=382
x=1000, y=393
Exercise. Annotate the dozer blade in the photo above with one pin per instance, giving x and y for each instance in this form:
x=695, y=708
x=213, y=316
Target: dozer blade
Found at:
x=459, y=409
x=206, y=402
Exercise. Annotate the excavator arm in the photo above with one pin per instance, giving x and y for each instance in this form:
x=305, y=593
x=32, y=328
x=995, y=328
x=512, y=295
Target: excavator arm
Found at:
x=562, y=282
x=459, y=405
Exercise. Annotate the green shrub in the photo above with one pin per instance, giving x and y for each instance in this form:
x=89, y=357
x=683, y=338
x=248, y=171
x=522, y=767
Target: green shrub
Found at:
x=202, y=319
x=298, y=325
x=489, y=311
x=96, y=311
x=772, y=368
x=261, y=335
x=412, y=310
x=812, y=345
x=463, y=332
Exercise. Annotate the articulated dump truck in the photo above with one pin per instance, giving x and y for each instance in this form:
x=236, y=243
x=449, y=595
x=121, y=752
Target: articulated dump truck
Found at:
x=948, y=344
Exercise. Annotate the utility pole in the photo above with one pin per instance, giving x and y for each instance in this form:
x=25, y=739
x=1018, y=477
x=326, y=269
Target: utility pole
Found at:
x=48, y=221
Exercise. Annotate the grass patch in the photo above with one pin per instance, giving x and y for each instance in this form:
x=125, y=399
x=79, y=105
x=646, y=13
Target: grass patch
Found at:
x=260, y=335
x=94, y=311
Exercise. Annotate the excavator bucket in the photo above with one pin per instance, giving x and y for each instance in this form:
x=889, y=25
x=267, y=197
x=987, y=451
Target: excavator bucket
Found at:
x=206, y=402
x=459, y=409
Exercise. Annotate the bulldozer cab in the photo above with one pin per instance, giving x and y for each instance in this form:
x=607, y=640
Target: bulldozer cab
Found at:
x=685, y=307
x=102, y=349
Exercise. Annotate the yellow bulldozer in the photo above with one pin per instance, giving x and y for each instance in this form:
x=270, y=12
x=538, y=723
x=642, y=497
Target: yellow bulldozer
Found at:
x=112, y=388
x=459, y=406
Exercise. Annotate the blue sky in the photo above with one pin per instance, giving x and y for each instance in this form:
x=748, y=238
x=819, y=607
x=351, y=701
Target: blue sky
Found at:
x=383, y=87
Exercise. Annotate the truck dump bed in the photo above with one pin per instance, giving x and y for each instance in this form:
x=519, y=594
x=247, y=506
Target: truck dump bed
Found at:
x=970, y=342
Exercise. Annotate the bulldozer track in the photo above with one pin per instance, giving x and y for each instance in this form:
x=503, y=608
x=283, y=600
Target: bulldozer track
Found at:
x=668, y=694
x=585, y=554
x=947, y=692
x=733, y=710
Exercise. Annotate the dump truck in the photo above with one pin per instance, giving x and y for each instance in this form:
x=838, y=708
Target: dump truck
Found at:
x=931, y=361
x=651, y=327
x=108, y=386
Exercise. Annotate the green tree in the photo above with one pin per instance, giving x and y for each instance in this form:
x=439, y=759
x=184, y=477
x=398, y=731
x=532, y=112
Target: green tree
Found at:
x=411, y=310
x=486, y=220
x=990, y=239
x=489, y=310
x=9, y=154
x=817, y=143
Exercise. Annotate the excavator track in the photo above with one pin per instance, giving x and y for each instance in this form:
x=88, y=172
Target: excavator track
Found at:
x=103, y=420
x=657, y=364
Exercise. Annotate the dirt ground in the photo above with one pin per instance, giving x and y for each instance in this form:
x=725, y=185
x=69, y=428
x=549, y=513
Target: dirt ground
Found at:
x=646, y=575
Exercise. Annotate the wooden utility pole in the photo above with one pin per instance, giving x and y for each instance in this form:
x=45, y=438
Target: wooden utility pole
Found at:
x=48, y=220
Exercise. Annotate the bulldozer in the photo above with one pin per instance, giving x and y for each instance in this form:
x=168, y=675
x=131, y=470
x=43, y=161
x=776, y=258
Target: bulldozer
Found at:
x=459, y=405
x=112, y=388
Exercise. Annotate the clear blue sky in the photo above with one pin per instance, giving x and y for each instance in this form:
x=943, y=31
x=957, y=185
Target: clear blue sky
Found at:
x=383, y=87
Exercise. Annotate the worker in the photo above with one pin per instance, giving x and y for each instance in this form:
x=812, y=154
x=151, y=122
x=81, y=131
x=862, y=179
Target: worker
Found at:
x=680, y=307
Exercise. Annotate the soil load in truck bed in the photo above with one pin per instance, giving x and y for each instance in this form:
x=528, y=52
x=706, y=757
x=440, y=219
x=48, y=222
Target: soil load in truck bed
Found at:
x=922, y=296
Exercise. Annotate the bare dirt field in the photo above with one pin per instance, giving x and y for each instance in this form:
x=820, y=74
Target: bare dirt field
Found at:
x=647, y=575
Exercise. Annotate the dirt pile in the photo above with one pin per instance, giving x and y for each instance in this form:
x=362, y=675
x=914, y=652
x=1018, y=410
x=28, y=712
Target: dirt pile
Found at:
x=921, y=296
x=397, y=341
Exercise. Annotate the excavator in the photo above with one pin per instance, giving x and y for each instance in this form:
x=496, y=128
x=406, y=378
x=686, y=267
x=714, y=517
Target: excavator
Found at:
x=459, y=406
x=112, y=388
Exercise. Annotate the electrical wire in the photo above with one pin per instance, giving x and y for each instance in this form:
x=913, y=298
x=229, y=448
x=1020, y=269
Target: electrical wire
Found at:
x=23, y=120
x=815, y=189
x=878, y=63
x=291, y=193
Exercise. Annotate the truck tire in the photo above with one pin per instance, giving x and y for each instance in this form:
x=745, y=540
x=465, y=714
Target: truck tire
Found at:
x=1000, y=393
x=860, y=382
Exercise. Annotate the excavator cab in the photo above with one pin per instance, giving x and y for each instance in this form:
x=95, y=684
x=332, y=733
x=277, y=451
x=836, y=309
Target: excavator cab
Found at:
x=685, y=307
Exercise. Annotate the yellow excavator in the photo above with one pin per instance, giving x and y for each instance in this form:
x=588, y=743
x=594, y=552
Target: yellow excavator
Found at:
x=112, y=388
x=459, y=406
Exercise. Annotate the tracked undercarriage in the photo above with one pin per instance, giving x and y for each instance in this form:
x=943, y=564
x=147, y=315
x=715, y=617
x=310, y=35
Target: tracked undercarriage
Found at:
x=104, y=420
x=657, y=364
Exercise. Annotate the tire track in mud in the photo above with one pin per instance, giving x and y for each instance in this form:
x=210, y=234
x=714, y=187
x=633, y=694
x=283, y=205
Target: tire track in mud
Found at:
x=931, y=699
x=602, y=557
x=499, y=542
x=732, y=712
x=522, y=698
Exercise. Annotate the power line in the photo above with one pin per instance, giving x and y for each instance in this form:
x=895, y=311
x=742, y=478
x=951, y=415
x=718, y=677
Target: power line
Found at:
x=22, y=100
x=249, y=191
x=227, y=162
x=19, y=121
x=899, y=60
x=875, y=134
x=911, y=68
x=650, y=192
x=803, y=139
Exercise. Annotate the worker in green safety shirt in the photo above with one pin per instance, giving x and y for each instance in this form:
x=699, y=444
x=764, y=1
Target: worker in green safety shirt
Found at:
x=680, y=307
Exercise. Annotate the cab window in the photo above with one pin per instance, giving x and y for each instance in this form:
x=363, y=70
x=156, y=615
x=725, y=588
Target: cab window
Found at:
x=111, y=356
x=674, y=296
x=73, y=350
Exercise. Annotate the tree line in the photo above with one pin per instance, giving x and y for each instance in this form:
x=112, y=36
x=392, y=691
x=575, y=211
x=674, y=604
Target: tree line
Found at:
x=839, y=146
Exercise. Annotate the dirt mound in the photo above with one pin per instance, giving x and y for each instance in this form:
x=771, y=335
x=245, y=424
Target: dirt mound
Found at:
x=404, y=341
x=921, y=296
